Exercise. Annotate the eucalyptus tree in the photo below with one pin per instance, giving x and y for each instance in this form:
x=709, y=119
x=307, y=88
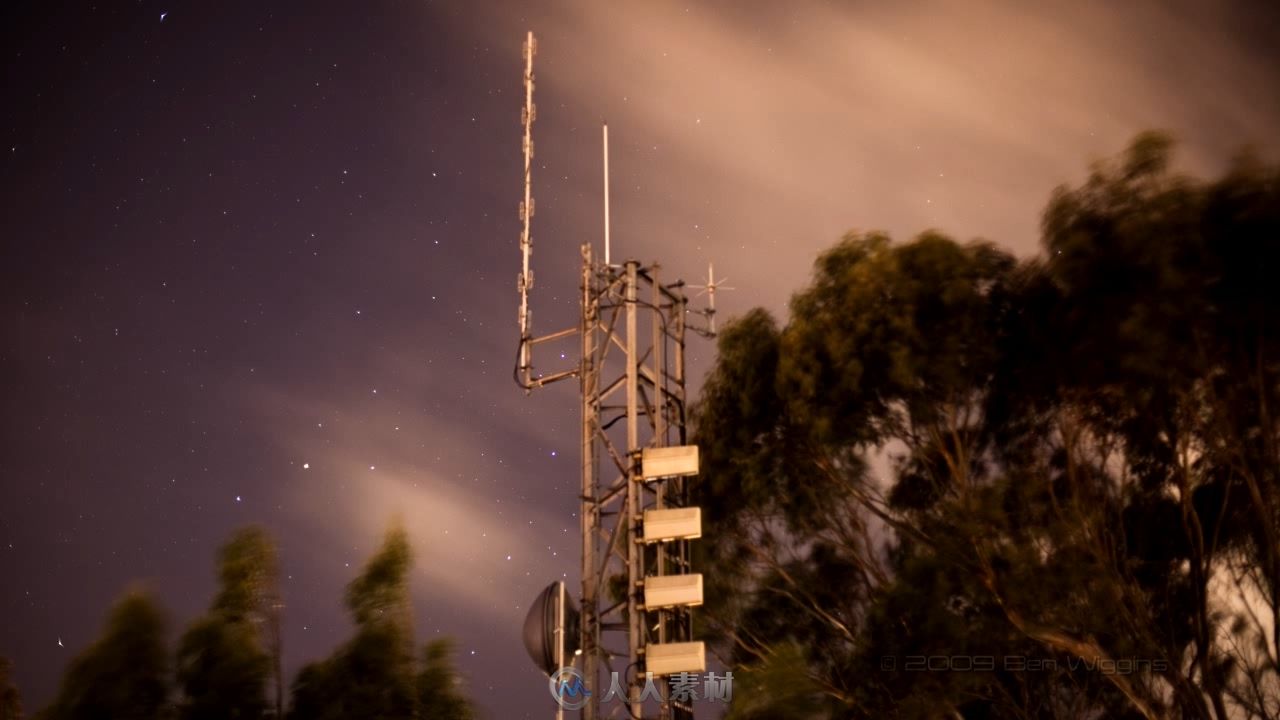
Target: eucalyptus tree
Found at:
x=1057, y=477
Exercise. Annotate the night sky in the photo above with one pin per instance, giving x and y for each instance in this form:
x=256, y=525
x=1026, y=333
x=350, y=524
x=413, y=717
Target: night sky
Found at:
x=260, y=257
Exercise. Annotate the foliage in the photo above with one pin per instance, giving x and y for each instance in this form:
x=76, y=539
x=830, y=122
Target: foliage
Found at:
x=1066, y=460
x=226, y=657
x=122, y=676
x=222, y=670
x=247, y=571
x=440, y=695
x=372, y=675
x=223, y=660
x=10, y=700
x=777, y=687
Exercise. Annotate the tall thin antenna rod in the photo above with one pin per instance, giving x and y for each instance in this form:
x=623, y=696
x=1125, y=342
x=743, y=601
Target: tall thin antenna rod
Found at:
x=525, y=280
x=606, y=193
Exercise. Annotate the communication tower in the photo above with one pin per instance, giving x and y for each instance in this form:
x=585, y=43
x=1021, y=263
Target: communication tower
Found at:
x=635, y=609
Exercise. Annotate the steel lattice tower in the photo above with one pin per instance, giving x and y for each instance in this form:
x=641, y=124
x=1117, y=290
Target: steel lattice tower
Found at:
x=631, y=377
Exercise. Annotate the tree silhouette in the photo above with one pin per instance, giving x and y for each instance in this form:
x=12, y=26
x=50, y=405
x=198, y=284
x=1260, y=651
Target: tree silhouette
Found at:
x=1069, y=461
x=440, y=696
x=372, y=675
x=226, y=657
x=223, y=658
x=125, y=674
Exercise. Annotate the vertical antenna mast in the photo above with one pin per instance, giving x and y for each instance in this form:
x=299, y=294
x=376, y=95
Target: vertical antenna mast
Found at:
x=525, y=280
x=605, y=127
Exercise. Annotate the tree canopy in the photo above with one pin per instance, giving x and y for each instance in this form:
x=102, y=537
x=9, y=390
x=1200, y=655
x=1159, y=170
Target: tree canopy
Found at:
x=125, y=674
x=372, y=674
x=376, y=675
x=227, y=658
x=1061, y=468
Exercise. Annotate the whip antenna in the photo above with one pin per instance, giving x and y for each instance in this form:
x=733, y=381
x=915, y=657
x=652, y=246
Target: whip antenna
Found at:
x=605, y=128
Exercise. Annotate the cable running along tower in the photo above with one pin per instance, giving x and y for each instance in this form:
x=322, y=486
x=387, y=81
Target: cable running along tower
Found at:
x=637, y=585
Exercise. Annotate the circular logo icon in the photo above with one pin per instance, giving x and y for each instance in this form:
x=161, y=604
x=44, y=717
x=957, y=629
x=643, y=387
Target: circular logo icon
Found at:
x=568, y=689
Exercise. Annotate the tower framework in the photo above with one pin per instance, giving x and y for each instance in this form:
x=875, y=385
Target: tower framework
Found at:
x=631, y=376
x=632, y=380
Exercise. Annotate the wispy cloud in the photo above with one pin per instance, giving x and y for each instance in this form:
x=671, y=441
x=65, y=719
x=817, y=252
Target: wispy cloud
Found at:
x=756, y=138
x=353, y=464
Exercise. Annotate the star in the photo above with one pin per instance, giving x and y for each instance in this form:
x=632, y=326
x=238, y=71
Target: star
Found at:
x=306, y=466
x=162, y=16
x=237, y=498
x=60, y=643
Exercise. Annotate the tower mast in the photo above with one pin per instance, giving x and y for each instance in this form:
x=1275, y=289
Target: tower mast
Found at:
x=637, y=588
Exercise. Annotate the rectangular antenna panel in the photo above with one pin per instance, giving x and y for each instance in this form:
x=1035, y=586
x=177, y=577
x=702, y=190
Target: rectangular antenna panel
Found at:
x=669, y=461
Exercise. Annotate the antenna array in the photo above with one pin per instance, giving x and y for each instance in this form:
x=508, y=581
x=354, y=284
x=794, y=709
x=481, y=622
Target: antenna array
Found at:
x=524, y=281
x=635, y=517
